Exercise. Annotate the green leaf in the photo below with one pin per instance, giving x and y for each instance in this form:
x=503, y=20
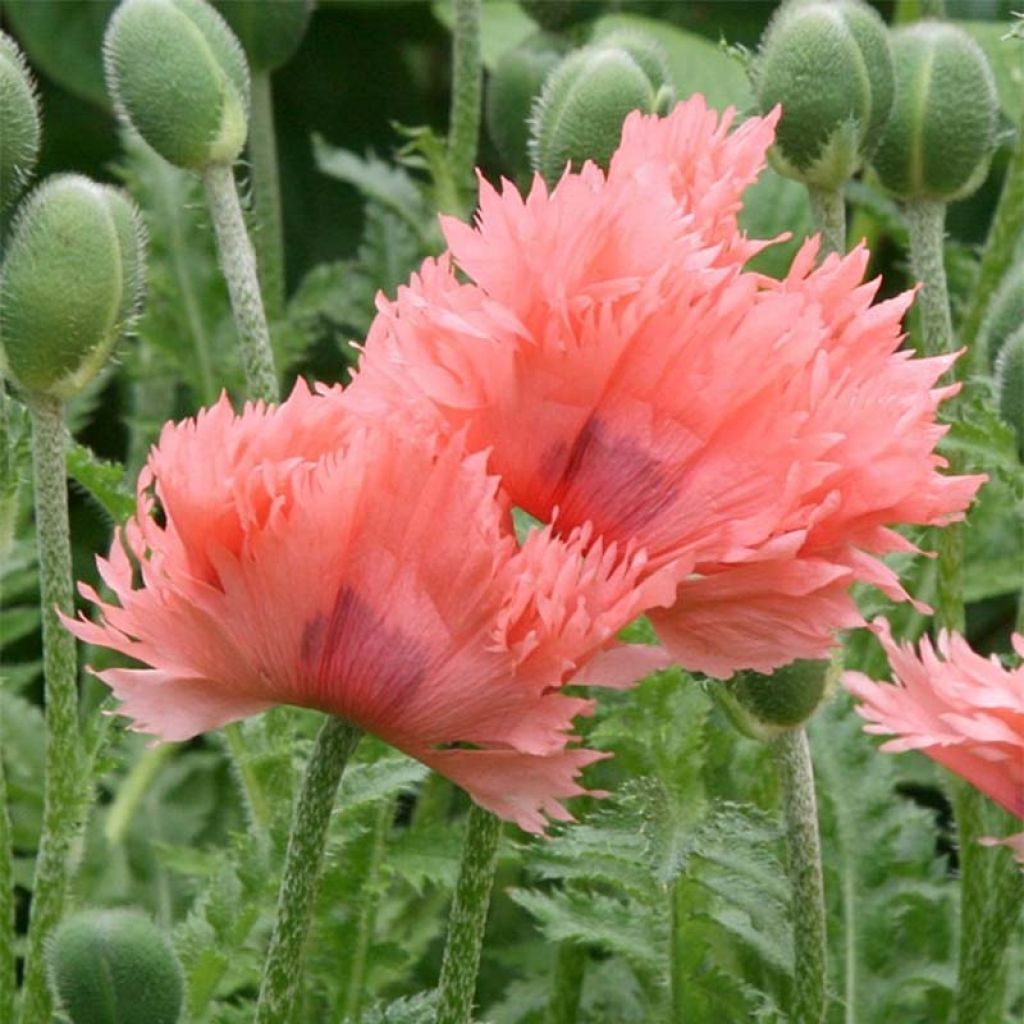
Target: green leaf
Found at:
x=103, y=481
x=1006, y=56
x=66, y=41
x=772, y=206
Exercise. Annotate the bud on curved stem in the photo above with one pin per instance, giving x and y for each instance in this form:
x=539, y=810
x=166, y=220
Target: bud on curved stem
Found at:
x=19, y=122
x=765, y=707
x=115, y=967
x=829, y=66
x=178, y=76
x=579, y=113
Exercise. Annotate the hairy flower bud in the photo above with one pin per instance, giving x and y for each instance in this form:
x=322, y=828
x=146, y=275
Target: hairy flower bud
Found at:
x=270, y=32
x=829, y=66
x=178, y=76
x=579, y=113
x=512, y=90
x=19, y=122
x=941, y=133
x=1010, y=384
x=1005, y=313
x=71, y=283
x=764, y=707
x=115, y=967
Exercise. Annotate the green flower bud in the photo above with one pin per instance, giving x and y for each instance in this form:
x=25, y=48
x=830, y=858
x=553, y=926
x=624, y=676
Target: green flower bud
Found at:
x=829, y=66
x=19, y=122
x=1010, y=385
x=71, y=284
x=942, y=130
x=1005, y=313
x=115, y=967
x=512, y=90
x=579, y=113
x=269, y=30
x=765, y=707
x=178, y=76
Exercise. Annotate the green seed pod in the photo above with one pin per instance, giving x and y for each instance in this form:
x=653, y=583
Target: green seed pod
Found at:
x=1010, y=385
x=115, y=967
x=270, y=31
x=511, y=92
x=71, y=284
x=579, y=113
x=1005, y=313
x=19, y=122
x=765, y=707
x=942, y=131
x=178, y=76
x=829, y=66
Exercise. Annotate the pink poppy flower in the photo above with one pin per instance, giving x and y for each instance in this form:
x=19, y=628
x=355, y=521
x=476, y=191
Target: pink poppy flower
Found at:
x=294, y=555
x=962, y=710
x=626, y=371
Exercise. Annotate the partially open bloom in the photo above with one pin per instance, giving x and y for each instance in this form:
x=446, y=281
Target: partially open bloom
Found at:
x=763, y=436
x=295, y=555
x=962, y=710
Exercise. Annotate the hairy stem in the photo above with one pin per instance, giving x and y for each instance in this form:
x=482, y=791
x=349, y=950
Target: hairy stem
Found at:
x=926, y=220
x=269, y=235
x=828, y=211
x=992, y=893
x=238, y=262
x=467, y=82
x=62, y=803
x=803, y=862
x=282, y=970
x=468, y=918
x=567, y=984
x=1004, y=233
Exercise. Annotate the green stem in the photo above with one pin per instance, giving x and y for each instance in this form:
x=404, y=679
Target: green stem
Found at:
x=828, y=212
x=256, y=802
x=992, y=892
x=269, y=236
x=803, y=862
x=282, y=970
x=367, y=914
x=468, y=918
x=132, y=790
x=62, y=804
x=926, y=220
x=567, y=984
x=152, y=405
x=467, y=84
x=7, y=975
x=238, y=262
x=1004, y=235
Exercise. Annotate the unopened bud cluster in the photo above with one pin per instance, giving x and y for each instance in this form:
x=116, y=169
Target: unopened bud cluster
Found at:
x=828, y=65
